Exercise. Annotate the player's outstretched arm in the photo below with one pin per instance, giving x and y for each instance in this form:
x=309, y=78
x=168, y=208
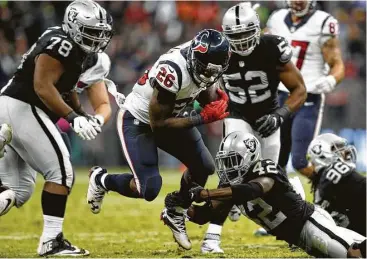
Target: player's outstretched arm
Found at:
x=333, y=57
x=46, y=74
x=291, y=77
x=98, y=97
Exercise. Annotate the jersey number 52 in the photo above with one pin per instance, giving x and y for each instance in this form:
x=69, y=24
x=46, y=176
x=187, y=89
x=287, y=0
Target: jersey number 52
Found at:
x=257, y=91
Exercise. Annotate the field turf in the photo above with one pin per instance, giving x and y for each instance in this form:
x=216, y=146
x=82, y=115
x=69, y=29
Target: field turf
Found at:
x=129, y=228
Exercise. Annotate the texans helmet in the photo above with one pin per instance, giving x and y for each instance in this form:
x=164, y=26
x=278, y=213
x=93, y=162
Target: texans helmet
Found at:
x=208, y=57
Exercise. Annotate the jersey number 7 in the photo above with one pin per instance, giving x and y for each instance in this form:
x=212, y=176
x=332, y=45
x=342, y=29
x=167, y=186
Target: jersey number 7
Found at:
x=303, y=45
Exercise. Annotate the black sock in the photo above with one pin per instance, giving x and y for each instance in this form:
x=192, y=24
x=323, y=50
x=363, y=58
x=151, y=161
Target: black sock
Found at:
x=120, y=183
x=53, y=204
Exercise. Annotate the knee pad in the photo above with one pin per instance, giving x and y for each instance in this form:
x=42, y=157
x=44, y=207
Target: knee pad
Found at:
x=152, y=188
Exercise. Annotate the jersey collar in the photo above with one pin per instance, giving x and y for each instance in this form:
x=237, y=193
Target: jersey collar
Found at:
x=291, y=27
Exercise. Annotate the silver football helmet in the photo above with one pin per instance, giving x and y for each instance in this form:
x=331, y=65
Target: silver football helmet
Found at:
x=88, y=24
x=238, y=151
x=328, y=148
x=301, y=7
x=241, y=25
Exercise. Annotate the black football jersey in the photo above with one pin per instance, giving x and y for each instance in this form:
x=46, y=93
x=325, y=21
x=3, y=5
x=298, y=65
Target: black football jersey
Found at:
x=282, y=211
x=252, y=81
x=343, y=190
x=57, y=44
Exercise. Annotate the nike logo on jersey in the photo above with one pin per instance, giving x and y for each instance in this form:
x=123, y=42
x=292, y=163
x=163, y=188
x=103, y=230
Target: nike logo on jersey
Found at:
x=170, y=70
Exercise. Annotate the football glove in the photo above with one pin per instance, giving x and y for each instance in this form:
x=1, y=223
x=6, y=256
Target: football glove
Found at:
x=325, y=84
x=82, y=126
x=194, y=193
x=269, y=123
x=97, y=121
x=119, y=97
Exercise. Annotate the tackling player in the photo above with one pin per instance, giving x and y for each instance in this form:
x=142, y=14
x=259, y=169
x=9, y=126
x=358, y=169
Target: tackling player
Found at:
x=313, y=35
x=263, y=193
x=257, y=66
x=150, y=118
x=40, y=92
x=337, y=186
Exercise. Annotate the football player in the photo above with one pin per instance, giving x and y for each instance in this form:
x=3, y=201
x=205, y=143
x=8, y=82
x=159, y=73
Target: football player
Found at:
x=337, y=186
x=257, y=66
x=313, y=35
x=40, y=92
x=151, y=118
x=263, y=193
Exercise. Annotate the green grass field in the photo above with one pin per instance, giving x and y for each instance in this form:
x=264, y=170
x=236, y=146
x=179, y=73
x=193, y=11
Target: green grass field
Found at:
x=128, y=228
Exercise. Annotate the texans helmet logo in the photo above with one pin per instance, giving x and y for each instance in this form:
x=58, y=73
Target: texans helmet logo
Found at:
x=250, y=144
x=199, y=45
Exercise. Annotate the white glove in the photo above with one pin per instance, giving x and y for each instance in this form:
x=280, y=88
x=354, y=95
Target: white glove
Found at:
x=325, y=84
x=119, y=97
x=82, y=126
x=97, y=122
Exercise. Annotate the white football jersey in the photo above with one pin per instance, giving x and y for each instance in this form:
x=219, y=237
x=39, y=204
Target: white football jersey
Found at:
x=171, y=73
x=306, y=38
x=98, y=70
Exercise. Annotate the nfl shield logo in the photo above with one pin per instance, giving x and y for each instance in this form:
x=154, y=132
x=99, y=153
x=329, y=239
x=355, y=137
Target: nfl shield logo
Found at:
x=241, y=63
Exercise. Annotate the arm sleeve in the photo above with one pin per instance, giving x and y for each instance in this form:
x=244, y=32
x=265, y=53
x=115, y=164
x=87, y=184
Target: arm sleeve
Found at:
x=241, y=193
x=329, y=29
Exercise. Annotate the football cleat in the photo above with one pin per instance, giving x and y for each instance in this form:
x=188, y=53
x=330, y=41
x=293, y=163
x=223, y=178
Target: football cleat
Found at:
x=7, y=199
x=261, y=232
x=210, y=246
x=175, y=220
x=95, y=192
x=60, y=247
x=234, y=214
x=6, y=135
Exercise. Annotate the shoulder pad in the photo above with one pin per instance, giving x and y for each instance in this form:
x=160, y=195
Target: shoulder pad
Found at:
x=335, y=172
x=265, y=167
x=168, y=75
x=58, y=45
x=329, y=28
x=275, y=17
x=282, y=49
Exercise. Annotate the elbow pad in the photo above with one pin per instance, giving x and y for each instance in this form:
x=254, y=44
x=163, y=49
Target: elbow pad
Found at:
x=242, y=193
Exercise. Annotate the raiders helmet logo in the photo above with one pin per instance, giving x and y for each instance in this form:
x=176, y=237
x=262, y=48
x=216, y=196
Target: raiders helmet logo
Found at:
x=72, y=15
x=316, y=149
x=250, y=144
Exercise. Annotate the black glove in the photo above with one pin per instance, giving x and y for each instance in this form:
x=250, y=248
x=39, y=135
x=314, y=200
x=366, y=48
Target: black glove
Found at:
x=194, y=193
x=268, y=124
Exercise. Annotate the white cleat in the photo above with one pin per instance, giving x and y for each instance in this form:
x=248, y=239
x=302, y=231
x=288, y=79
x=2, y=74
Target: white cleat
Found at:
x=176, y=222
x=7, y=199
x=210, y=246
x=261, y=232
x=6, y=135
x=234, y=214
x=95, y=192
x=60, y=247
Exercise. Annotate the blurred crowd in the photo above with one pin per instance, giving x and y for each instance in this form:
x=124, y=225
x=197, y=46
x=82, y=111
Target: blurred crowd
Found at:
x=146, y=29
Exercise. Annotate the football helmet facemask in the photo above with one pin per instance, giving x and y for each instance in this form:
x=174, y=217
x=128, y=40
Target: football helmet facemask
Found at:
x=328, y=148
x=241, y=25
x=88, y=24
x=238, y=151
x=208, y=57
x=301, y=7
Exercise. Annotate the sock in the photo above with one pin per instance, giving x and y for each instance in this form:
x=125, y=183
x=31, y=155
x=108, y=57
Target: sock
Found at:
x=213, y=233
x=119, y=183
x=53, y=207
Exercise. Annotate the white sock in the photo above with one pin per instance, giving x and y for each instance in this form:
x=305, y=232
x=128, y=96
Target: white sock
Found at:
x=214, y=231
x=102, y=180
x=52, y=226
